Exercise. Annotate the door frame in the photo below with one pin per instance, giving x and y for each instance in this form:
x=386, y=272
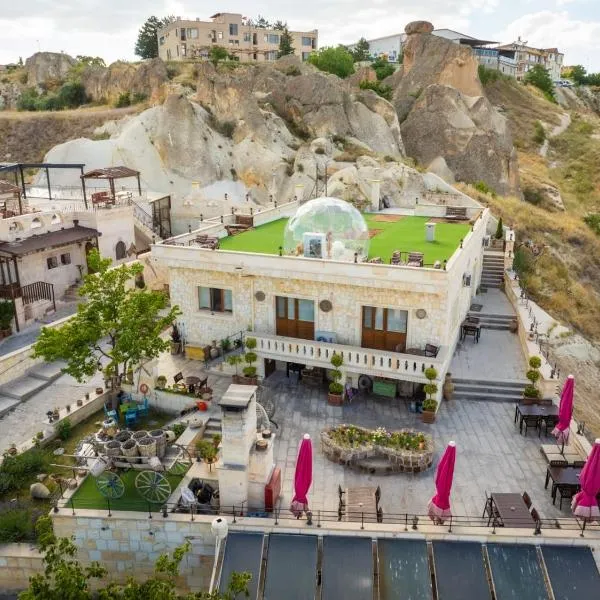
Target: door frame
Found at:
x=400, y=338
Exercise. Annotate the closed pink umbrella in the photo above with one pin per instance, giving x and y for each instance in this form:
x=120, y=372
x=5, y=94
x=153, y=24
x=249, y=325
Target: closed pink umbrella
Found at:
x=439, y=505
x=302, y=477
x=585, y=502
x=565, y=411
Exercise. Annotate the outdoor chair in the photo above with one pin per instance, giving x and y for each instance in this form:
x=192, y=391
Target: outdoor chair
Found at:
x=142, y=409
x=377, y=495
x=415, y=259
x=559, y=463
x=431, y=350
x=565, y=491
x=111, y=414
x=527, y=500
x=341, y=494
x=380, y=515
x=530, y=421
x=549, y=422
x=535, y=515
x=490, y=509
x=396, y=258
x=130, y=417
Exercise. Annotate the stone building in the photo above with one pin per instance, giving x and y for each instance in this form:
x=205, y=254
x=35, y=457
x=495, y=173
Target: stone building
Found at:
x=320, y=292
x=187, y=38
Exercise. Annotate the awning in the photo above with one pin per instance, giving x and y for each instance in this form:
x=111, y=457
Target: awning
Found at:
x=44, y=241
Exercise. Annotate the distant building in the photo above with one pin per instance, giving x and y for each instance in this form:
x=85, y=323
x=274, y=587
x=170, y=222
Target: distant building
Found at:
x=527, y=57
x=389, y=47
x=185, y=39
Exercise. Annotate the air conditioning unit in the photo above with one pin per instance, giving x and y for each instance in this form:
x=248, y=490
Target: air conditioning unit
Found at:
x=314, y=244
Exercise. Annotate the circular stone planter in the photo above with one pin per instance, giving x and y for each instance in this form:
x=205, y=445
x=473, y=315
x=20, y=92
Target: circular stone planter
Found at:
x=374, y=459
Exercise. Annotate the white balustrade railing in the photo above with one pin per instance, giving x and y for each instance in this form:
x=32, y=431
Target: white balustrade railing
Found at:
x=366, y=361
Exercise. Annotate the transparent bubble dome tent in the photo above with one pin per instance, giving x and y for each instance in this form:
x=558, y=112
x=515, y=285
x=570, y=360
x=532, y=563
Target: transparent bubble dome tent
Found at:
x=327, y=228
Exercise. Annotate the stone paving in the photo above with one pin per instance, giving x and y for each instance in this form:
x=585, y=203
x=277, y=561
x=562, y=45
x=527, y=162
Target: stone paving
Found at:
x=492, y=455
x=494, y=302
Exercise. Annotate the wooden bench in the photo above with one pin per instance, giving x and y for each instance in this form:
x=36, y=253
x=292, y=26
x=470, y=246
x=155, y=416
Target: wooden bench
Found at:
x=235, y=229
x=206, y=241
x=247, y=220
x=101, y=198
x=456, y=212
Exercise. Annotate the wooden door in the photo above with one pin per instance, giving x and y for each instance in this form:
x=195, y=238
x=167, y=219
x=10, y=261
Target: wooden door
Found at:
x=384, y=328
x=373, y=333
x=295, y=318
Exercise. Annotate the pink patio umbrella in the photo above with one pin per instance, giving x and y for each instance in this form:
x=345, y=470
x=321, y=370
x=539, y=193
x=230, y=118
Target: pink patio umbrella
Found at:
x=439, y=506
x=302, y=477
x=565, y=411
x=585, y=503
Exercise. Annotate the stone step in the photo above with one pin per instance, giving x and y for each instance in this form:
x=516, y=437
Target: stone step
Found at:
x=47, y=371
x=494, y=391
x=492, y=316
x=487, y=396
x=492, y=270
x=489, y=285
x=7, y=404
x=23, y=388
x=515, y=384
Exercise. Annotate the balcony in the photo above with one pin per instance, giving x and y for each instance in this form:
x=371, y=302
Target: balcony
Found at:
x=375, y=363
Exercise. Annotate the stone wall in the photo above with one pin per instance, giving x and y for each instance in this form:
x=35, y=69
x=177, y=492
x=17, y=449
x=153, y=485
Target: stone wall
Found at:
x=128, y=543
x=18, y=562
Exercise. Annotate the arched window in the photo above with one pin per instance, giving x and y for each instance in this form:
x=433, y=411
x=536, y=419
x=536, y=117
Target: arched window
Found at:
x=120, y=250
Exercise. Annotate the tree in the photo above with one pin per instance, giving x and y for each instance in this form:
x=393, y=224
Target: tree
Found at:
x=280, y=25
x=262, y=23
x=285, y=44
x=216, y=54
x=65, y=578
x=382, y=68
x=333, y=60
x=361, y=51
x=147, y=41
x=540, y=78
x=119, y=324
x=578, y=74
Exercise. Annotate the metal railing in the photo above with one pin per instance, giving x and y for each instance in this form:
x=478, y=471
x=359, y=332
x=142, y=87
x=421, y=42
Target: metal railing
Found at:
x=39, y=290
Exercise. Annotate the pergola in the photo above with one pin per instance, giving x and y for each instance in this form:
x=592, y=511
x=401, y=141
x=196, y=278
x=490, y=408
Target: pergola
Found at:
x=110, y=174
x=8, y=189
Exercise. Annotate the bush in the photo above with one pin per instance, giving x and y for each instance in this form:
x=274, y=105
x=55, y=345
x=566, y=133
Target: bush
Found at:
x=430, y=404
x=385, y=91
x=28, y=99
x=532, y=196
x=15, y=525
x=71, y=95
x=123, y=100
x=293, y=71
x=484, y=188
x=138, y=97
x=430, y=388
x=15, y=470
x=499, y=230
x=539, y=133
x=225, y=128
x=539, y=77
x=7, y=312
x=333, y=60
x=593, y=222
x=535, y=362
x=178, y=429
x=382, y=68
x=64, y=429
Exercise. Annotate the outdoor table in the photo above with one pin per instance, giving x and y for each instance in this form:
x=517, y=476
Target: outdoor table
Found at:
x=512, y=510
x=361, y=503
x=534, y=410
x=566, y=476
x=192, y=381
x=473, y=329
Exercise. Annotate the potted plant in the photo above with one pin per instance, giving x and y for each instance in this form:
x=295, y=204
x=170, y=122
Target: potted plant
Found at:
x=225, y=345
x=336, y=389
x=448, y=387
x=68, y=407
x=214, y=350
x=250, y=358
x=234, y=360
x=175, y=340
x=161, y=382
x=87, y=396
x=206, y=451
x=12, y=449
x=7, y=312
x=430, y=404
x=80, y=402
x=216, y=439
x=56, y=414
x=531, y=394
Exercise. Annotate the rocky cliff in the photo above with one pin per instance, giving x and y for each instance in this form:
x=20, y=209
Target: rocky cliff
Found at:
x=446, y=120
x=44, y=66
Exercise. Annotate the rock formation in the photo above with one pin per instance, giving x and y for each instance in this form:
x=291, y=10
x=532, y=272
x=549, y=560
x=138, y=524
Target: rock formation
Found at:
x=444, y=113
x=44, y=66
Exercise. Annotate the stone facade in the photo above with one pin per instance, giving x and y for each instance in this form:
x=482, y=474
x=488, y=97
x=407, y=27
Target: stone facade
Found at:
x=378, y=460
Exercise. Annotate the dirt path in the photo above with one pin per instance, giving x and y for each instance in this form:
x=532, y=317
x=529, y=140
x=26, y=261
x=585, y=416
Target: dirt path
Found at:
x=565, y=121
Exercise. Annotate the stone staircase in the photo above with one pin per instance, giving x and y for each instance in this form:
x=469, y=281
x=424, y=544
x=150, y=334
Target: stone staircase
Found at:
x=72, y=293
x=37, y=378
x=213, y=426
x=493, y=270
x=495, y=391
x=493, y=321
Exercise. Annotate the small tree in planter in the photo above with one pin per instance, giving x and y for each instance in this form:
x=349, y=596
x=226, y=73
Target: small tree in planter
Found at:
x=430, y=404
x=250, y=358
x=234, y=360
x=336, y=389
x=531, y=393
x=499, y=230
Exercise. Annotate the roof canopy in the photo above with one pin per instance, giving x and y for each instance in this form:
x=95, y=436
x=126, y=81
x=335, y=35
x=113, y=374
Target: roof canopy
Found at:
x=111, y=173
x=52, y=239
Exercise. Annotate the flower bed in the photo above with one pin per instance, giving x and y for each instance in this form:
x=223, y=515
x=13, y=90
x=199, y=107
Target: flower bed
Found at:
x=378, y=451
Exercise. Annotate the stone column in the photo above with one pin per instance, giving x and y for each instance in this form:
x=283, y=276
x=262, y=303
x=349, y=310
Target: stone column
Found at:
x=375, y=193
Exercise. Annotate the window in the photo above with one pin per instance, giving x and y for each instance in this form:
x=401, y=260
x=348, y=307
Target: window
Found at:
x=161, y=40
x=183, y=50
x=220, y=35
x=271, y=55
x=233, y=29
x=307, y=41
x=65, y=259
x=120, y=250
x=305, y=55
x=215, y=299
x=273, y=38
x=52, y=262
x=247, y=37
x=192, y=33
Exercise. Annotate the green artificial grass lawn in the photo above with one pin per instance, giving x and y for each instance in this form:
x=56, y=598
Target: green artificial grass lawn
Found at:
x=88, y=496
x=407, y=235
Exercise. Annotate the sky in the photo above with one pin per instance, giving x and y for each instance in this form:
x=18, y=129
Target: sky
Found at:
x=108, y=28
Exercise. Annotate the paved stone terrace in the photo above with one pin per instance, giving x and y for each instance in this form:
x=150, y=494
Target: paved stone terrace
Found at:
x=491, y=454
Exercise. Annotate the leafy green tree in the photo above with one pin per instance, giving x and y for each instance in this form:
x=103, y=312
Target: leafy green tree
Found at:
x=90, y=61
x=285, y=44
x=361, y=51
x=217, y=53
x=147, y=40
x=540, y=78
x=118, y=323
x=64, y=578
x=333, y=60
x=280, y=25
x=578, y=74
x=382, y=68
x=262, y=23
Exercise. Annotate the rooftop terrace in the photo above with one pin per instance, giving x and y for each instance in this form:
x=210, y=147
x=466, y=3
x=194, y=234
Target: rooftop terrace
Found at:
x=387, y=234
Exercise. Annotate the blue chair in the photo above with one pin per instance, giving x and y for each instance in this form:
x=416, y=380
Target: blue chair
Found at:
x=111, y=414
x=130, y=417
x=142, y=409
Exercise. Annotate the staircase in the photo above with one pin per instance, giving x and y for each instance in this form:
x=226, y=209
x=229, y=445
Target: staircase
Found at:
x=213, y=426
x=493, y=270
x=143, y=222
x=493, y=321
x=72, y=293
x=495, y=391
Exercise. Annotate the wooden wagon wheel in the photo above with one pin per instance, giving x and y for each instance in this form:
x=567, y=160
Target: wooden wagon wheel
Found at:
x=153, y=487
x=183, y=461
x=110, y=485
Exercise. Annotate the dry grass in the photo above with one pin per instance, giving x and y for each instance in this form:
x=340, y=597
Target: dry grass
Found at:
x=28, y=136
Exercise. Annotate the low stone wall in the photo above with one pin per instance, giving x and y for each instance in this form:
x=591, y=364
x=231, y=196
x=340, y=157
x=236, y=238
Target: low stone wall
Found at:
x=18, y=562
x=380, y=460
x=170, y=402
